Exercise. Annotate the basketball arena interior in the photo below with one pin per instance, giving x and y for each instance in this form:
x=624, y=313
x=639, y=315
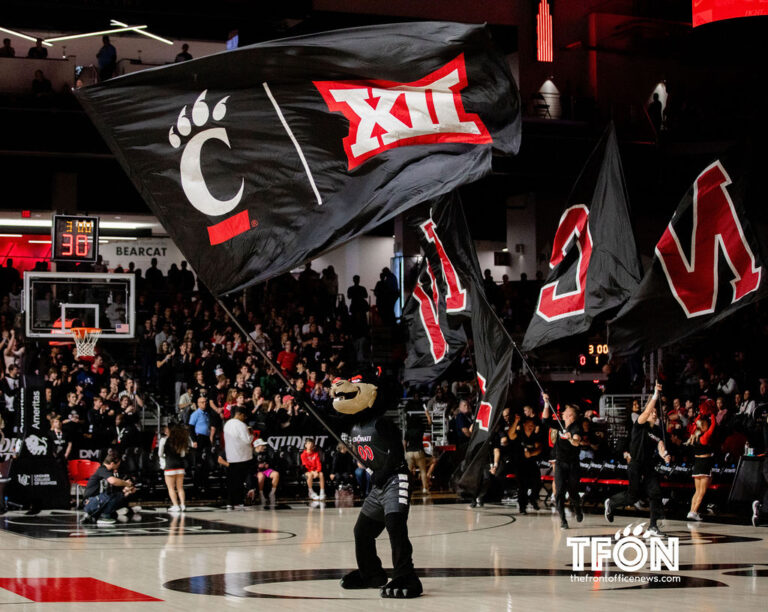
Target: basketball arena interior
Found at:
x=425, y=304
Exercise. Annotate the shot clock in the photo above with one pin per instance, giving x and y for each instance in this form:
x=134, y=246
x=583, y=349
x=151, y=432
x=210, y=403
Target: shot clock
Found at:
x=75, y=238
x=594, y=356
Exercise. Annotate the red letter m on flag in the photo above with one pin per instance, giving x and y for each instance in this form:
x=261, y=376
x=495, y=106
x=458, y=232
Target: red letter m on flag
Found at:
x=716, y=229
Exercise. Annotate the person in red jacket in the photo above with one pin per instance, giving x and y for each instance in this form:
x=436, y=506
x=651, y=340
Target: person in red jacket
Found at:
x=287, y=358
x=310, y=459
x=703, y=446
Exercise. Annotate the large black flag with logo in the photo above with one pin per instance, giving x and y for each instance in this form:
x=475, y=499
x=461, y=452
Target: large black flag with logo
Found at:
x=709, y=262
x=594, y=263
x=451, y=254
x=260, y=158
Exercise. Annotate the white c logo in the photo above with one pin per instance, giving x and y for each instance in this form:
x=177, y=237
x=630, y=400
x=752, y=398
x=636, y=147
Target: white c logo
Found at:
x=192, y=180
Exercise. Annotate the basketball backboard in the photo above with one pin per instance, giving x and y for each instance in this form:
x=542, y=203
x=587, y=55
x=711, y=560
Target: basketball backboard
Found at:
x=54, y=302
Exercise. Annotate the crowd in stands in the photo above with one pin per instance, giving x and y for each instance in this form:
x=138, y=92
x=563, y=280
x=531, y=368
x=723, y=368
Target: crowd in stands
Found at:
x=212, y=384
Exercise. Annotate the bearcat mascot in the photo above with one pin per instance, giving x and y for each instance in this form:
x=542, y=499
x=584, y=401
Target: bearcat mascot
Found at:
x=379, y=445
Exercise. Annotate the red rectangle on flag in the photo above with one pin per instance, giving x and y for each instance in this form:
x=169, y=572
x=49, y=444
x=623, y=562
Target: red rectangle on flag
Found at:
x=229, y=228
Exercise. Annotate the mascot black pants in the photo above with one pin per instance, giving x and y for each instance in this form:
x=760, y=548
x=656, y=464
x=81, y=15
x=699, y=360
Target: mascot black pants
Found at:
x=385, y=507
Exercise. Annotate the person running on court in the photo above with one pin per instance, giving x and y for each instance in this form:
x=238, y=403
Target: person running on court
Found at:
x=567, y=469
x=646, y=440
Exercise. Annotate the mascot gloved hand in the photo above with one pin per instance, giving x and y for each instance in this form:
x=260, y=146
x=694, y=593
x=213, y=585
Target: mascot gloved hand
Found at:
x=379, y=446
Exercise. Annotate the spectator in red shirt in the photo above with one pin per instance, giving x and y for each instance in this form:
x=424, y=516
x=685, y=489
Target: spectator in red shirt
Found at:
x=310, y=459
x=286, y=358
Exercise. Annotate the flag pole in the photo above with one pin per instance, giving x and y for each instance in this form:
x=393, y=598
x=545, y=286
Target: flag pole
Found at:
x=538, y=384
x=306, y=405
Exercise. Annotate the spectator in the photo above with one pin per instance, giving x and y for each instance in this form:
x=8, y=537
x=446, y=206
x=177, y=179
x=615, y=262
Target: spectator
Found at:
x=463, y=422
x=185, y=55
x=107, y=58
x=41, y=86
x=310, y=459
x=237, y=445
x=414, y=449
x=264, y=470
x=202, y=435
x=38, y=51
x=342, y=468
x=106, y=492
x=358, y=300
x=6, y=50
x=286, y=358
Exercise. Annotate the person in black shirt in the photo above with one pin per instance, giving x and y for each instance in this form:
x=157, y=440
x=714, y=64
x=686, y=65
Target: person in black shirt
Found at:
x=567, y=469
x=105, y=492
x=414, y=449
x=528, y=473
x=646, y=440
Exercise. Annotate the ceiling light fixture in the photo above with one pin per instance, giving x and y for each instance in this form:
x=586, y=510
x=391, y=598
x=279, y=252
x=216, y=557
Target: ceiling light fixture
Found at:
x=39, y=241
x=100, y=33
x=24, y=36
x=115, y=22
x=10, y=235
x=119, y=238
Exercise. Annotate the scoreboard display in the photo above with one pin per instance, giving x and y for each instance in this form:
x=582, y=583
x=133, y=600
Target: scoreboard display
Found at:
x=75, y=238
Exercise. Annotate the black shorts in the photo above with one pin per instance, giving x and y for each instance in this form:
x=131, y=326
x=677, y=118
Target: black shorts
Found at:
x=702, y=466
x=388, y=499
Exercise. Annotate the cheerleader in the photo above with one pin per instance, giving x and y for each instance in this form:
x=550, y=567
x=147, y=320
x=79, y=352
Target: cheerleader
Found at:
x=701, y=441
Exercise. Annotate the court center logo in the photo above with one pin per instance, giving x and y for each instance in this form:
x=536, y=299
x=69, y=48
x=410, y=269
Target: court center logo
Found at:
x=191, y=167
x=631, y=550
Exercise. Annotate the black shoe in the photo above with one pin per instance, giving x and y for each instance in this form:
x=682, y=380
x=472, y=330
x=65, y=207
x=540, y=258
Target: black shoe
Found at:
x=579, y=515
x=608, y=510
x=479, y=502
x=534, y=505
x=355, y=580
x=655, y=531
x=563, y=525
x=404, y=587
x=87, y=519
x=522, y=511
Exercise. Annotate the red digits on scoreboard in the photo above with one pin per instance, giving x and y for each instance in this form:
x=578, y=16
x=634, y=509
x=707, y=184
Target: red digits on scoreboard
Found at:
x=82, y=241
x=67, y=244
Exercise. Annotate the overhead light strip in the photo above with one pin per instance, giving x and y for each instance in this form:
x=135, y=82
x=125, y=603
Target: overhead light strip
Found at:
x=115, y=22
x=24, y=36
x=101, y=33
x=10, y=235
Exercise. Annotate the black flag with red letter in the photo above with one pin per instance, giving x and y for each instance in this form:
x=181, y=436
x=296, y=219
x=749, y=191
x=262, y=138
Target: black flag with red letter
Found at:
x=594, y=262
x=709, y=262
x=263, y=157
x=454, y=275
x=435, y=336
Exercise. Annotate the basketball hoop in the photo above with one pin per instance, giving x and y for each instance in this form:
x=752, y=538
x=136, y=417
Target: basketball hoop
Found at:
x=85, y=341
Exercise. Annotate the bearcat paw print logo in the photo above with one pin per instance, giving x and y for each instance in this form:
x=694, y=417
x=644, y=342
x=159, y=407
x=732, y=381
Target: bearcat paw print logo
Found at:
x=638, y=531
x=191, y=167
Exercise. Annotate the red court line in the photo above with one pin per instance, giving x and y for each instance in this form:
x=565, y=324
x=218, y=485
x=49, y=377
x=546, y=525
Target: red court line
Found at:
x=70, y=590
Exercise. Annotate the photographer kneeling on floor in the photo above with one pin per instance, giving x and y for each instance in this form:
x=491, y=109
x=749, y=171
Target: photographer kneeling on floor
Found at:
x=106, y=492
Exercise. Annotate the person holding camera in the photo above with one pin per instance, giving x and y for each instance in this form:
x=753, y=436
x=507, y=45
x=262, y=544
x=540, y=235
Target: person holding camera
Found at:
x=106, y=492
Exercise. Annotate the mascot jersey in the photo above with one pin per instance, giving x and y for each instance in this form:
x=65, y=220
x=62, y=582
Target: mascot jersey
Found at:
x=379, y=445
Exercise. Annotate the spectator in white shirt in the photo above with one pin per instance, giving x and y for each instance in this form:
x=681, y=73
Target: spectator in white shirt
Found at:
x=239, y=453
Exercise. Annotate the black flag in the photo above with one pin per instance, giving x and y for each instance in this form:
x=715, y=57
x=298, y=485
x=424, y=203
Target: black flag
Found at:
x=435, y=337
x=595, y=267
x=257, y=159
x=451, y=253
x=709, y=262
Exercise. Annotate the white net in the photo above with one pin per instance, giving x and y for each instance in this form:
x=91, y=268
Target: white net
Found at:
x=85, y=340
